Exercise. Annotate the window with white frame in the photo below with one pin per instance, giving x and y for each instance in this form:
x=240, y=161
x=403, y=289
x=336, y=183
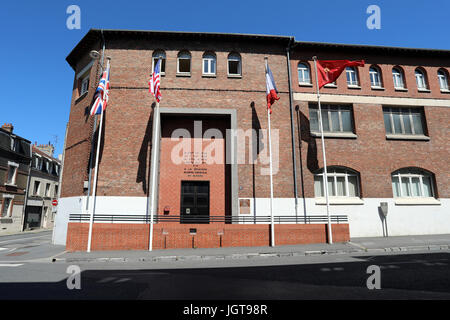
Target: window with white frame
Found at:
x=156, y=55
x=420, y=79
x=375, y=77
x=234, y=64
x=56, y=191
x=184, y=63
x=352, y=77
x=342, y=182
x=84, y=85
x=443, y=80
x=404, y=121
x=209, y=64
x=412, y=182
x=304, y=74
x=335, y=118
x=397, y=76
x=7, y=205
x=12, y=173
x=47, y=190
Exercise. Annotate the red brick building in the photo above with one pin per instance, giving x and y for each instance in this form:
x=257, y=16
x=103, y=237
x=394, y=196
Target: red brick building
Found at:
x=386, y=129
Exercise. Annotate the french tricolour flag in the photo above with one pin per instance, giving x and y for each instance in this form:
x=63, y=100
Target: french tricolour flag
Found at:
x=272, y=92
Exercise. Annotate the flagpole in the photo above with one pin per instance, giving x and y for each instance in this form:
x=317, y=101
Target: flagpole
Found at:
x=93, y=132
x=272, y=229
x=94, y=188
x=325, y=173
x=155, y=148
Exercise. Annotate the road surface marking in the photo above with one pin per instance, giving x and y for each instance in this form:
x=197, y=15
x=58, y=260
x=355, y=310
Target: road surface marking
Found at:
x=23, y=239
x=11, y=264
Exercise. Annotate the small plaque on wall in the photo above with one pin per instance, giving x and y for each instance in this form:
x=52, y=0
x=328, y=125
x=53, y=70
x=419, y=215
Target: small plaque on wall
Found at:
x=244, y=206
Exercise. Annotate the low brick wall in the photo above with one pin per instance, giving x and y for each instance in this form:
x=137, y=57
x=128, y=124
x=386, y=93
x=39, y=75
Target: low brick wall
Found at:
x=120, y=236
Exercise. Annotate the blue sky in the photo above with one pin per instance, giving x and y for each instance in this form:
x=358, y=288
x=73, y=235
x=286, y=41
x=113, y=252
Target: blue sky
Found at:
x=36, y=83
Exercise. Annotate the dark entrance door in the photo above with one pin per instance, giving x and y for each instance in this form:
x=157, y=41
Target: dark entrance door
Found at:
x=33, y=216
x=194, y=202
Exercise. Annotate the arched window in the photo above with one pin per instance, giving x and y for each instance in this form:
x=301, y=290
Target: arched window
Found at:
x=397, y=75
x=443, y=79
x=304, y=75
x=159, y=54
x=421, y=79
x=412, y=182
x=342, y=182
x=352, y=77
x=234, y=64
x=209, y=64
x=375, y=77
x=184, y=63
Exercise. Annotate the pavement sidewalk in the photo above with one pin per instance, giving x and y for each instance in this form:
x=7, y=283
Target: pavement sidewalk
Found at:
x=356, y=245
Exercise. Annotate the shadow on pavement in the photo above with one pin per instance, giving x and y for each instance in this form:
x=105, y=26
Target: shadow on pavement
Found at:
x=406, y=276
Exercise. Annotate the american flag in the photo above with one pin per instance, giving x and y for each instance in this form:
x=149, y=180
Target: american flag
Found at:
x=154, y=81
x=101, y=94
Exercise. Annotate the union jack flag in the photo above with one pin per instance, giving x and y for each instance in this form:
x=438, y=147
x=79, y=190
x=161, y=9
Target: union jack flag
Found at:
x=154, y=81
x=101, y=94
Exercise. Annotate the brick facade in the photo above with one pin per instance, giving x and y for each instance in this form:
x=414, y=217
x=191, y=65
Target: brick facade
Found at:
x=124, y=164
x=173, y=236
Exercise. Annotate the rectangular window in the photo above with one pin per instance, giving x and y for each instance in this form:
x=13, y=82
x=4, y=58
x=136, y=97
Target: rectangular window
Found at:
x=12, y=170
x=47, y=190
x=37, y=185
x=335, y=118
x=234, y=66
x=209, y=66
x=352, y=77
x=406, y=121
x=184, y=65
x=56, y=191
x=84, y=85
x=163, y=65
x=6, y=208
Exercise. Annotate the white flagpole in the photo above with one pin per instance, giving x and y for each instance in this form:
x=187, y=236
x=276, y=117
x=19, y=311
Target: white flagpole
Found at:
x=94, y=189
x=325, y=173
x=155, y=148
x=272, y=229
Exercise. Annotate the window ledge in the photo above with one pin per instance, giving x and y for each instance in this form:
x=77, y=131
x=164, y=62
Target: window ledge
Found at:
x=81, y=97
x=417, y=201
x=335, y=135
x=401, y=89
x=424, y=90
x=352, y=86
x=340, y=200
x=329, y=85
x=305, y=84
x=445, y=91
x=236, y=76
x=209, y=76
x=10, y=184
x=183, y=74
x=378, y=88
x=407, y=137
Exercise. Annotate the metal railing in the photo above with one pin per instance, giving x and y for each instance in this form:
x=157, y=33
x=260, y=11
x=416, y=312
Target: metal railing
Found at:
x=208, y=219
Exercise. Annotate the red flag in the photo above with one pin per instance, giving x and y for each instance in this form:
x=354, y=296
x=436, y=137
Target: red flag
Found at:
x=329, y=70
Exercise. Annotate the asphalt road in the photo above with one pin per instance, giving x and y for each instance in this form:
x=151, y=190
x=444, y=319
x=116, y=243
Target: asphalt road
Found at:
x=26, y=272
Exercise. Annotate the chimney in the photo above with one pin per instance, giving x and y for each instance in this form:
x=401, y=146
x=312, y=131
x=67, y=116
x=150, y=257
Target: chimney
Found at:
x=46, y=148
x=8, y=127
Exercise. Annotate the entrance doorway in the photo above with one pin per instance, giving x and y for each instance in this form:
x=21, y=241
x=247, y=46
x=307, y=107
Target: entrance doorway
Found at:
x=194, y=202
